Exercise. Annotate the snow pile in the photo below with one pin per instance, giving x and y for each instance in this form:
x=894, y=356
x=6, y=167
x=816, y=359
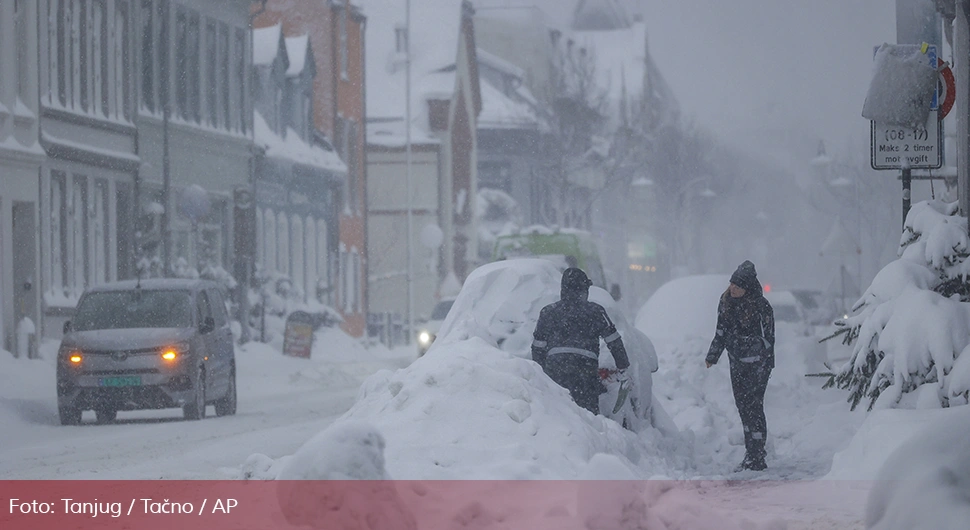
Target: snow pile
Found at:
x=882, y=432
x=680, y=319
x=345, y=451
x=913, y=322
x=476, y=406
x=926, y=482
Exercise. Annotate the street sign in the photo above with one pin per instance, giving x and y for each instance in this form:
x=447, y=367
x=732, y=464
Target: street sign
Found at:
x=921, y=147
x=896, y=147
x=298, y=335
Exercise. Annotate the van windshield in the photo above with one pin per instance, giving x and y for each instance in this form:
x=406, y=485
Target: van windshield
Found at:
x=786, y=313
x=133, y=309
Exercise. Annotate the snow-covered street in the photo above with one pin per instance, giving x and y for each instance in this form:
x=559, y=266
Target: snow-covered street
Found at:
x=282, y=402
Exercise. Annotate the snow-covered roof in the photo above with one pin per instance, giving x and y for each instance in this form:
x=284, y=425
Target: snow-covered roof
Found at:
x=624, y=66
x=293, y=148
x=599, y=14
x=500, y=111
x=266, y=44
x=296, y=50
x=499, y=63
x=434, y=46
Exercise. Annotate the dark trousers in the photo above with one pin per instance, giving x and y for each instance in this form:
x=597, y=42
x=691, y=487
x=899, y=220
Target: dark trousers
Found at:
x=749, y=381
x=580, y=376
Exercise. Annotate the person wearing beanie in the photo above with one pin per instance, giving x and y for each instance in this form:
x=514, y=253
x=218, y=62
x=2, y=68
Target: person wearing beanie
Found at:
x=566, y=341
x=746, y=329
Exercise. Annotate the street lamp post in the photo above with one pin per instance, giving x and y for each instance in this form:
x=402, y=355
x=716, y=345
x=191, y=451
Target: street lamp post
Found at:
x=407, y=168
x=687, y=190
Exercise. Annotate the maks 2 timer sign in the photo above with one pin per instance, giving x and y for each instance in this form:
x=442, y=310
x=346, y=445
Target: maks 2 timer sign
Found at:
x=895, y=147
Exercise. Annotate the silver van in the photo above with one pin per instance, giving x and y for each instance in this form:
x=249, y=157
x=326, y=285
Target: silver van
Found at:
x=149, y=344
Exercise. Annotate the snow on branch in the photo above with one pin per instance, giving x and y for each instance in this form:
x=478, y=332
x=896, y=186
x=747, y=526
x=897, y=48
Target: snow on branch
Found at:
x=912, y=325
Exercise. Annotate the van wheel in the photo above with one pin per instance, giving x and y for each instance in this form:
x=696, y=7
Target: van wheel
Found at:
x=196, y=409
x=226, y=406
x=69, y=415
x=106, y=415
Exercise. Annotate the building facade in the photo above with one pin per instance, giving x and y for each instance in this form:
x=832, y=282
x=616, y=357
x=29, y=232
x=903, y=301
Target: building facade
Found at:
x=21, y=158
x=195, y=125
x=88, y=129
x=299, y=182
x=335, y=29
x=444, y=107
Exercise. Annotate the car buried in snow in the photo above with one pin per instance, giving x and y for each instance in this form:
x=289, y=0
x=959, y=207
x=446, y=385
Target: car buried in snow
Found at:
x=149, y=344
x=428, y=330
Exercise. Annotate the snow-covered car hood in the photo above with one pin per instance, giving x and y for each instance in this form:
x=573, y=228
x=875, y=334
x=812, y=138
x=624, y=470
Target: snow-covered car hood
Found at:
x=126, y=339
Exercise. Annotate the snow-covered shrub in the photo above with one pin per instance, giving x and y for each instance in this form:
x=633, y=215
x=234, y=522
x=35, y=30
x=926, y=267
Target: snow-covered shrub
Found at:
x=912, y=324
x=275, y=293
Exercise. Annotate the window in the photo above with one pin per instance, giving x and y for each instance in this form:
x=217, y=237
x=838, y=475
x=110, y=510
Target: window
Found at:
x=99, y=228
x=260, y=239
x=101, y=81
x=283, y=244
x=323, y=260
x=61, y=65
x=342, y=22
x=181, y=64
x=203, y=309
x=269, y=239
x=357, y=284
x=84, y=49
x=219, y=312
x=350, y=148
x=211, y=74
x=78, y=231
x=194, y=70
x=58, y=233
x=142, y=309
x=241, y=73
x=20, y=23
x=124, y=228
x=347, y=283
x=298, y=245
x=148, y=55
x=223, y=69
x=310, y=236
x=122, y=83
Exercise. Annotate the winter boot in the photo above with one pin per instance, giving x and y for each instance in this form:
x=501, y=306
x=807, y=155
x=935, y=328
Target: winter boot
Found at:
x=758, y=453
x=744, y=465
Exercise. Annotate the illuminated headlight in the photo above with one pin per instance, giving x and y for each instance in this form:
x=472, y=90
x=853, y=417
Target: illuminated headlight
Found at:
x=424, y=337
x=71, y=355
x=173, y=352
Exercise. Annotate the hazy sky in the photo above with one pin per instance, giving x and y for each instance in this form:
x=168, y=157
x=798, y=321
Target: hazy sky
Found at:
x=745, y=65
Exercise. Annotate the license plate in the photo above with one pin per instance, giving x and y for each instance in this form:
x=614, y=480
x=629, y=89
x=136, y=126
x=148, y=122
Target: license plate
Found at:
x=131, y=380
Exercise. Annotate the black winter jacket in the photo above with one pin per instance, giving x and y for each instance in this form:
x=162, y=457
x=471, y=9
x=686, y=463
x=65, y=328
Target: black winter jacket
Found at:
x=574, y=325
x=746, y=328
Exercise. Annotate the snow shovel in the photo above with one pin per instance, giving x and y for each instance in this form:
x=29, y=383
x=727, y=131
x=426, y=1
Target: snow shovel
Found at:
x=625, y=388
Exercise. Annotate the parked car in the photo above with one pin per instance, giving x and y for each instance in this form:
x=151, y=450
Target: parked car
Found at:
x=429, y=329
x=789, y=313
x=820, y=308
x=151, y=344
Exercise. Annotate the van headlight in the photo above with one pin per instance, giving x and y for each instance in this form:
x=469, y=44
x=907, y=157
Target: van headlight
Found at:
x=425, y=338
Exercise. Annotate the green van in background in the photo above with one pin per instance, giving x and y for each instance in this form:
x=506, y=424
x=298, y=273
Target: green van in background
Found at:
x=572, y=248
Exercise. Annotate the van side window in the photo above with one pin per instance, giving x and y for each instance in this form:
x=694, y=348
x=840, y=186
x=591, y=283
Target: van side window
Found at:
x=219, y=308
x=204, y=310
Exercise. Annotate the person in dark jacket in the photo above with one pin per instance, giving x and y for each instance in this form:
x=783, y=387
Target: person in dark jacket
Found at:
x=746, y=328
x=566, y=341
